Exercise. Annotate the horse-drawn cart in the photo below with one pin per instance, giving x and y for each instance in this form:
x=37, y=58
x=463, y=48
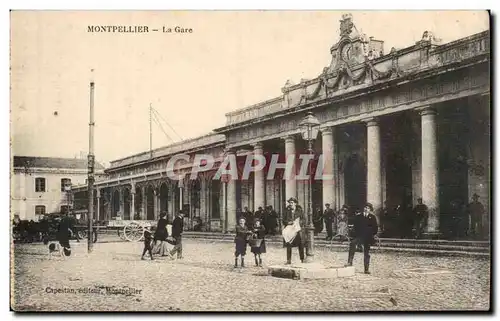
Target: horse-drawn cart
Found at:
x=127, y=230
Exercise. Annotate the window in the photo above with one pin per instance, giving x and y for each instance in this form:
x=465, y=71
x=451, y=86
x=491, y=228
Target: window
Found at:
x=64, y=209
x=65, y=182
x=39, y=184
x=40, y=210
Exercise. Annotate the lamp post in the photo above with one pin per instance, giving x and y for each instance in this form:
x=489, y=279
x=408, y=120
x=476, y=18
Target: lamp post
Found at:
x=309, y=128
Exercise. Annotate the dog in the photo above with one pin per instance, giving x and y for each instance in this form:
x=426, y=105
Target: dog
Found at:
x=57, y=248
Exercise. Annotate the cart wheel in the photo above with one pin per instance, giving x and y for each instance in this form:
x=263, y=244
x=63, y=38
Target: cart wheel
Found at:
x=133, y=232
x=82, y=234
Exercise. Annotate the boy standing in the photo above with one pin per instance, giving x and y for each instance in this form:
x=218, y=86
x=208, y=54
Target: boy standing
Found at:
x=147, y=243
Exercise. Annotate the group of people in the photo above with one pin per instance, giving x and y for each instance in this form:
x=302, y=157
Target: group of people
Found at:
x=457, y=220
x=336, y=223
x=157, y=243
x=365, y=227
x=268, y=218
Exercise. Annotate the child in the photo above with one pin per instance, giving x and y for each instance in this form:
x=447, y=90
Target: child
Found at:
x=147, y=243
x=241, y=242
x=259, y=233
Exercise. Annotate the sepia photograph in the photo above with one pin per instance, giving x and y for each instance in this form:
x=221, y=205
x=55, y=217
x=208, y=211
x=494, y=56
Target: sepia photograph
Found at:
x=250, y=161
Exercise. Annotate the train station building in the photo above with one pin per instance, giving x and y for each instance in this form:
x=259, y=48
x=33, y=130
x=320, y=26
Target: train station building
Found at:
x=396, y=126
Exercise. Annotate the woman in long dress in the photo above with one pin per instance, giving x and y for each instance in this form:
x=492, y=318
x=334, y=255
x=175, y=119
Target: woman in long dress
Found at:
x=343, y=230
x=161, y=235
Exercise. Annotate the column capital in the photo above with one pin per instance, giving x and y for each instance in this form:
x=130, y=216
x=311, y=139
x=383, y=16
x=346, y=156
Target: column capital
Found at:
x=326, y=131
x=426, y=110
x=98, y=192
x=289, y=138
x=372, y=121
x=257, y=145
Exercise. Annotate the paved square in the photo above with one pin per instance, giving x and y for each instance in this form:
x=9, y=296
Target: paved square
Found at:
x=114, y=278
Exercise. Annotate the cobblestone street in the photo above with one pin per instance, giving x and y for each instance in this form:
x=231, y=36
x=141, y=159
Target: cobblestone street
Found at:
x=206, y=281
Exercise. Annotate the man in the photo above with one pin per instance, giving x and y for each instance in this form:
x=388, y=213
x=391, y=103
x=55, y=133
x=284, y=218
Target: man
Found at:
x=272, y=220
x=329, y=217
x=248, y=216
x=475, y=212
x=65, y=230
x=420, y=212
x=365, y=228
x=293, y=212
x=318, y=221
x=259, y=215
x=177, y=228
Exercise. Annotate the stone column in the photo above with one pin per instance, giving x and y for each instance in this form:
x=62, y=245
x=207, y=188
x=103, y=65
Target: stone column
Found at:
x=144, y=203
x=328, y=167
x=231, y=200
x=290, y=183
x=259, y=186
x=98, y=203
x=430, y=178
x=156, y=207
x=181, y=193
x=122, y=202
x=132, y=203
x=203, y=199
x=223, y=214
x=374, y=173
x=109, y=199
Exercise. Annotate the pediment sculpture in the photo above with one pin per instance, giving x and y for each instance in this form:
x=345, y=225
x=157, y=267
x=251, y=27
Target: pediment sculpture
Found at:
x=352, y=62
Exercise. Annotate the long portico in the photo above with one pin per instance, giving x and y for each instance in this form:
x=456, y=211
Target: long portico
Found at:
x=394, y=127
x=382, y=119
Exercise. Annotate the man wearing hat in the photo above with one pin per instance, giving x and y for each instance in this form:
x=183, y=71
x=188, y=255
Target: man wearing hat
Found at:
x=329, y=216
x=475, y=212
x=365, y=228
x=292, y=212
x=177, y=228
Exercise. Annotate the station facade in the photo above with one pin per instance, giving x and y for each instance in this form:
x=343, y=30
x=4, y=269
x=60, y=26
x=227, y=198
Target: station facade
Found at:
x=395, y=127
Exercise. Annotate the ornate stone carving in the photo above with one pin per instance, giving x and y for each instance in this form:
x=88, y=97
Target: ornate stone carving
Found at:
x=346, y=25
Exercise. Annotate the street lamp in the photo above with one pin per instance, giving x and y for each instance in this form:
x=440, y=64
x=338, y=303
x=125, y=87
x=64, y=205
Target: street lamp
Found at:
x=309, y=128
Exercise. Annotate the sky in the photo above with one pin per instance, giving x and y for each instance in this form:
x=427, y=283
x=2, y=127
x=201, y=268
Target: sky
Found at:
x=231, y=60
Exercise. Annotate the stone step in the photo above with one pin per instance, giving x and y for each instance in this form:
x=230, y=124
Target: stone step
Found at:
x=382, y=249
x=398, y=245
x=320, y=238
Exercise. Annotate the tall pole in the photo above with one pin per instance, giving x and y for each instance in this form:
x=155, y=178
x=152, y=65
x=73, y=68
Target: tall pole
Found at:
x=150, y=133
x=90, y=244
x=310, y=227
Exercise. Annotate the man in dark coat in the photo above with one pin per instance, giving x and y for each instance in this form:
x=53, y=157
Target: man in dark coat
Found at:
x=65, y=231
x=365, y=228
x=248, y=216
x=420, y=213
x=272, y=220
x=475, y=213
x=329, y=216
x=318, y=220
x=258, y=215
x=293, y=212
x=177, y=228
